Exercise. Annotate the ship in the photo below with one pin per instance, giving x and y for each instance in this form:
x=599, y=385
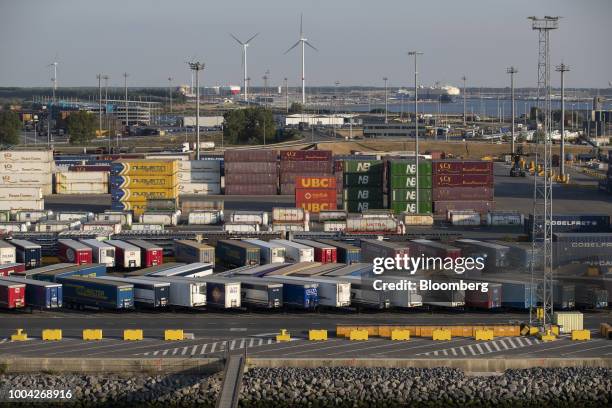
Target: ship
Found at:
x=443, y=93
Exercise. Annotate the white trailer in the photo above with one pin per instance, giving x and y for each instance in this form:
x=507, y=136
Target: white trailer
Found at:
x=184, y=292
x=126, y=255
x=332, y=292
x=364, y=295
x=403, y=298
x=192, y=270
x=270, y=252
x=7, y=253
x=294, y=251
x=221, y=292
x=101, y=252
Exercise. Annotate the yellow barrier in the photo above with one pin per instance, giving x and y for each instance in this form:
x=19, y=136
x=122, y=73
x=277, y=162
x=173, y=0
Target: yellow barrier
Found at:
x=548, y=336
x=441, y=335
x=316, y=335
x=358, y=335
x=533, y=331
x=283, y=336
x=52, y=334
x=92, y=334
x=132, y=334
x=19, y=336
x=581, y=335
x=483, y=335
x=554, y=329
x=173, y=335
x=400, y=335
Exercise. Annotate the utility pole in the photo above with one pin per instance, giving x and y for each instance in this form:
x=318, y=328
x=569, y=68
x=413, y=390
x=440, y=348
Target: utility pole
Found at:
x=286, y=97
x=336, y=83
x=99, y=77
x=197, y=67
x=562, y=69
x=512, y=71
x=265, y=78
x=386, y=103
x=105, y=78
x=464, y=78
x=416, y=124
x=127, y=116
x=170, y=92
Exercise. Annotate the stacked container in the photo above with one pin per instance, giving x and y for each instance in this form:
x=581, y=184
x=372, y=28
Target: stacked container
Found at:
x=251, y=172
x=363, y=185
x=290, y=219
x=199, y=177
x=132, y=182
x=25, y=177
x=307, y=163
x=81, y=182
x=402, y=183
x=462, y=185
x=315, y=194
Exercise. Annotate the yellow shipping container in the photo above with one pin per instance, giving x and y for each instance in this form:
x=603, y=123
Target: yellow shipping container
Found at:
x=154, y=181
x=144, y=167
x=136, y=195
x=568, y=321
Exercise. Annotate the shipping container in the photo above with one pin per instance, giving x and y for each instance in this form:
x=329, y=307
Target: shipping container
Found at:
x=371, y=225
x=417, y=219
x=30, y=273
x=294, y=251
x=462, y=180
x=297, y=168
x=334, y=226
x=516, y=293
x=233, y=227
x=251, y=189
x=166, y=218
x=123, y=217
x=11, y=268
x=151, y=254
x=592, y=249
x=85, y=271
x=33, y=216
x=152, y=269
x=17, y=204
x=250, y=155
x=505, y=218
x=56, y=226
x=12, y=295
x=189, y=203
x=331, y=292
x=237, y=253
x=221, y=292
x=434, y=249
x=259, y=293
x=193, y=251
x=160, y=182
x=363, y=166
x=199, y=188
x=574, y=223
x=363, y=180
x=146, y=292
x=143, y=167
x=363, y=294
x=127, y=256
x=372, y=248
x=27, y=156
x=408, y=182
x=496, y=256
x=590, y=296
x=192, y=270
x=135, y=195
x=213, y=166
x=241, y=168
x=108, y=227
x=463, y=193
x=406, y=299
x=361, y=193
x=80, y=292
x=491, y=299
x=27, y=253
x=198, y=177
x=333, y=215
x=481, y=207
x=269, y=252
x=410, y=195
x=255, y=179
x=285, y=214
x=321, y=270
x=355, y=269
x=298, y=293
x=315, y=182
x=451, y=298
x=249, y=217
x=69, y=250
x=305, y=155
x=89, y=177
x=205, y=217
x=254, y=271
x=462, y=167
x=81, y=216
x=323, y=253
x=184, y=292
x=400, y=207
x=345, y=253
x=43, y=295
x=316, y=200
x=7, y=253
x=568, y=321
x=102, y=253
x=521, y=255
x=463, y=217
x=147, y=227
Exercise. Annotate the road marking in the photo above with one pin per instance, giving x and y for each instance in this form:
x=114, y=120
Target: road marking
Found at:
x=203, y=350
x=219, y=346
x=480, y=348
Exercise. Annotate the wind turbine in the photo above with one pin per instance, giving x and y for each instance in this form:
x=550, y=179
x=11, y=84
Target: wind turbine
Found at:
x=244, y=45
x=302, y=41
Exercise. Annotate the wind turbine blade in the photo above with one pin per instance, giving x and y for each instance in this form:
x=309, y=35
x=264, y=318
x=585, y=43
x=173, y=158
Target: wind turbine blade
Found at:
x=310, y=45
x=293, y=46
x=301, y=15
x=250, y=39
x=237, y=40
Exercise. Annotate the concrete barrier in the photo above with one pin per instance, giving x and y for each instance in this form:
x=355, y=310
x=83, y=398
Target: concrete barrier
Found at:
x=317, y=335
x=20, y=335
x=51, y=335
x=400, y=335
x=92, y=334
x=358, y=335
x=133, y=334
x=484, y=335
x=283, y=336
x=174, y=335
x=581, y=335
x=441, y=335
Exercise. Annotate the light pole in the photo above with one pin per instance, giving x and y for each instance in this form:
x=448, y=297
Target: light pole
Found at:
x=197, y=67
x=170, y=92
x=386, y=103
x=336, y=106
x=512, y=71
x=105, y=78
x=464, y=78
x=99, y=77
x=127, y=117
x=562, y=69
x=416, y=124
x=286, y=97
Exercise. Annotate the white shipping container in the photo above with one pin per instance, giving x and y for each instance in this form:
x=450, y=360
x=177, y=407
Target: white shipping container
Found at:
x=198, y=177
x=20, y=193
x=505, y=218
x=199, y=188
x=147, y=227
x=81, y=188
x=70, y=177
x=8, y=253
x=205, y=217
x=249, y=217
x=299, y=227
x=5, y=216
x=126, y=254
x=464, y=217
x=102, y=253
x=213, y=166
x=231, y=227
x=16, y=179
x=56, y=226
x=23, y=168
x=22, y=205
x=166, y=218
x=185, y=292
x=417, y=219
x=33, y=216
x=334, y=226
x=74, y=216
x=287, y=214
x=123, y=217
x=14, y=226
x=295, y=252
x=371, y=225
x=270, y=252
x=102, y=227
x=332, y=215
x=30, y=156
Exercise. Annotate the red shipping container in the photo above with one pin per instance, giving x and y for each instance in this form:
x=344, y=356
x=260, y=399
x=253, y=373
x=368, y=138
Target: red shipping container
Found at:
x=251, y=178
x=306, y=167
x=315, y=182
x=12, y=295
x=462, y=180
x=289, y=177
x=151, y=254
x=72, y=251
x=316, y=200
x=462, y=193
x=287, y=188
x=251, y=167
x=325, y=254
x=462, y=167
x=436, y=154
x=96, y=167
x=338, y=166
x=251, y=189
x=306, y=155
x=261, y=155
x=114, y=157
x=481, y=207
x=9, y=269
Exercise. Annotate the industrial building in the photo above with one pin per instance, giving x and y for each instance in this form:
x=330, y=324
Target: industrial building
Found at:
x=320, y=120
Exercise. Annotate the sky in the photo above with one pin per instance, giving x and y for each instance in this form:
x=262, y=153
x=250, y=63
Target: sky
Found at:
x=359, y=42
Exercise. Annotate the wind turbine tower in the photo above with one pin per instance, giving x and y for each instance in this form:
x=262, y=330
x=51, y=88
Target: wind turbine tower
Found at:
x=54, y=79
x=303, y=41
x=244, y=45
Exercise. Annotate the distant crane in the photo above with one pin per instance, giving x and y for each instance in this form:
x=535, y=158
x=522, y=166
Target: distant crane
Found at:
x=303, y=42
x=244, y=45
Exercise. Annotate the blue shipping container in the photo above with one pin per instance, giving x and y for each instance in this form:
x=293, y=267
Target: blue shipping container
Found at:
x=27, y=253
x=574, y=223
x=517, y=295
x=303, y=296
x=98, y=293
x=85, y=270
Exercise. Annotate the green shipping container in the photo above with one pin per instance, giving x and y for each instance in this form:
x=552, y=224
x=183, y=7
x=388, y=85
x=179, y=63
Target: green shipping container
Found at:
x=404, y=182
x=358, y=180
x=401, y=206
x=363, y=166
x=408, y=167
x=410, y=194
x=362, y=205
x=357, y=194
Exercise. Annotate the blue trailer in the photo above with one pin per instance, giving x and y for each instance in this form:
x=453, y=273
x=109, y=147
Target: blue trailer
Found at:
x=85, y=270
x=346, y=253
x=43, y=295
x=27, y=252
x=516, y=294
x=97, y=293
x=302, y=295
